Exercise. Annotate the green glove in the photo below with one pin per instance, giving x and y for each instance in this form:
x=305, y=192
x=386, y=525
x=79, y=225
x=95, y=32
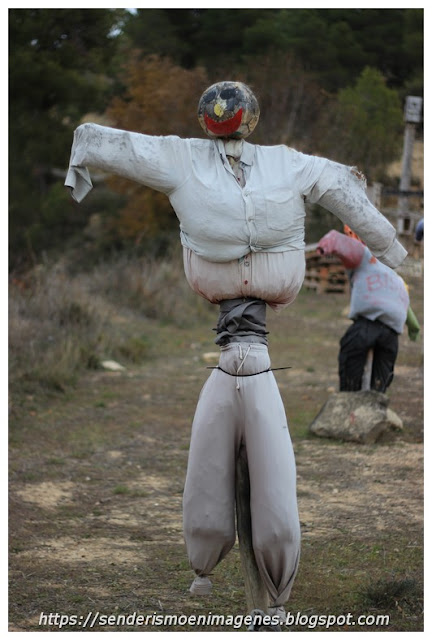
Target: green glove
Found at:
x=412, y=324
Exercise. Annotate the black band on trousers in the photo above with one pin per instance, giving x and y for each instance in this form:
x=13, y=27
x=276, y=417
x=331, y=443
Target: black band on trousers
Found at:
x=361, y=336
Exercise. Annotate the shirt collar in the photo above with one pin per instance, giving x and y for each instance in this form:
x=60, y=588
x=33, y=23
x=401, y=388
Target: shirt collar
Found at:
x=248, y=152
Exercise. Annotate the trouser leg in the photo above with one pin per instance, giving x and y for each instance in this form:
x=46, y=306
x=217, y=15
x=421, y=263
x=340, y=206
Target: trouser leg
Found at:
x=354, y=347
x=385, y=354
x=272, y=472
x=209, y=492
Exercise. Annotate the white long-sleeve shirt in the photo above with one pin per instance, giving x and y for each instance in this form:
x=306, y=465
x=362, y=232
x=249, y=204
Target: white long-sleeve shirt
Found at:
x=222, y=221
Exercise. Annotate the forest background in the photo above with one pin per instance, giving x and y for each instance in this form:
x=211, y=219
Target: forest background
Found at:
x=330, y=82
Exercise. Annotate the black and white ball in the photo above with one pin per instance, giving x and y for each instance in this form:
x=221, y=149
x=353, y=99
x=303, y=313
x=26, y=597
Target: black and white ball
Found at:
x=228, y=110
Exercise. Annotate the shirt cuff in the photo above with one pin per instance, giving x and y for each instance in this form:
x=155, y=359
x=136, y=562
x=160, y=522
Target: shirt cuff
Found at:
x=78, y=179
x=394, y=255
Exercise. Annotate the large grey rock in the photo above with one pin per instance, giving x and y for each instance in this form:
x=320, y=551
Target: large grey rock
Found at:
x=356, y=416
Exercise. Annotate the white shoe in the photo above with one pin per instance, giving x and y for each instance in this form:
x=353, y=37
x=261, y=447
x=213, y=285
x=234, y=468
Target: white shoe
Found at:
x=201, y=586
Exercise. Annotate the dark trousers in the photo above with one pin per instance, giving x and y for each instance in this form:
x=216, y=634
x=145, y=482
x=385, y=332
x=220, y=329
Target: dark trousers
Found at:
x=361, y=336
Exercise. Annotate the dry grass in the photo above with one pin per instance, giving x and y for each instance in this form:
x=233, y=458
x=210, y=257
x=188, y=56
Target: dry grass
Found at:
x=61, y=324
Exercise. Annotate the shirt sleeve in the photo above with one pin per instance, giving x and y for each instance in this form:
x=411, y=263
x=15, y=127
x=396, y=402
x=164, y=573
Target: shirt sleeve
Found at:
x=349, y=250
x=155, y=161
x=342, y=190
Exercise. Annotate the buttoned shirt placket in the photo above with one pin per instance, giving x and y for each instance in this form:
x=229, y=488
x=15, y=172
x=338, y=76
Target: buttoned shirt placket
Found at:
x=245, y=262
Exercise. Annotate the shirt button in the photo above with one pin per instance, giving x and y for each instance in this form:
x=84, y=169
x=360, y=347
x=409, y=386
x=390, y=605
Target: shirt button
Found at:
x=245, y=281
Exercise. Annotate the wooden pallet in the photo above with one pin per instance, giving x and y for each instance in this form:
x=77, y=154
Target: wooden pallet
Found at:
x=325, y=274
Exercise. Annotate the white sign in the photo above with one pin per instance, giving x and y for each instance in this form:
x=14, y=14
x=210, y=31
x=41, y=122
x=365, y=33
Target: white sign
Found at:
x=413, y=109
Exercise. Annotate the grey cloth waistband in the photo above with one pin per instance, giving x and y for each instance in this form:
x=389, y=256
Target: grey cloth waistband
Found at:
x=240, y=320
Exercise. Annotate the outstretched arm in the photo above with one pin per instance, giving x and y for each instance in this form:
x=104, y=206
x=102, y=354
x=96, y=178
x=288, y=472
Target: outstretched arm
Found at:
x=154, y=161
x=349, y=250
x=342, y=190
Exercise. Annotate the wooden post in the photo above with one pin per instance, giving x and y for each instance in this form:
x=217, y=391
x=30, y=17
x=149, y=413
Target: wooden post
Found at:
x=367, y=371
x=256, y=593
x=412, y=115
x=405, y=180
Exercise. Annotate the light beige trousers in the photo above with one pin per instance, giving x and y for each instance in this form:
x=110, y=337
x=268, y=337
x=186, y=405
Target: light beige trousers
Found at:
x=234, y=410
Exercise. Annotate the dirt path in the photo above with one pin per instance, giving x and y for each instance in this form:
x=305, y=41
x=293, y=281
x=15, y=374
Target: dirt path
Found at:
x=96, y=481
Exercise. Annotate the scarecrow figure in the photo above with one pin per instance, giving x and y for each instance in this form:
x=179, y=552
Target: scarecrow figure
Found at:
x=241, y=209
x=379, y=308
